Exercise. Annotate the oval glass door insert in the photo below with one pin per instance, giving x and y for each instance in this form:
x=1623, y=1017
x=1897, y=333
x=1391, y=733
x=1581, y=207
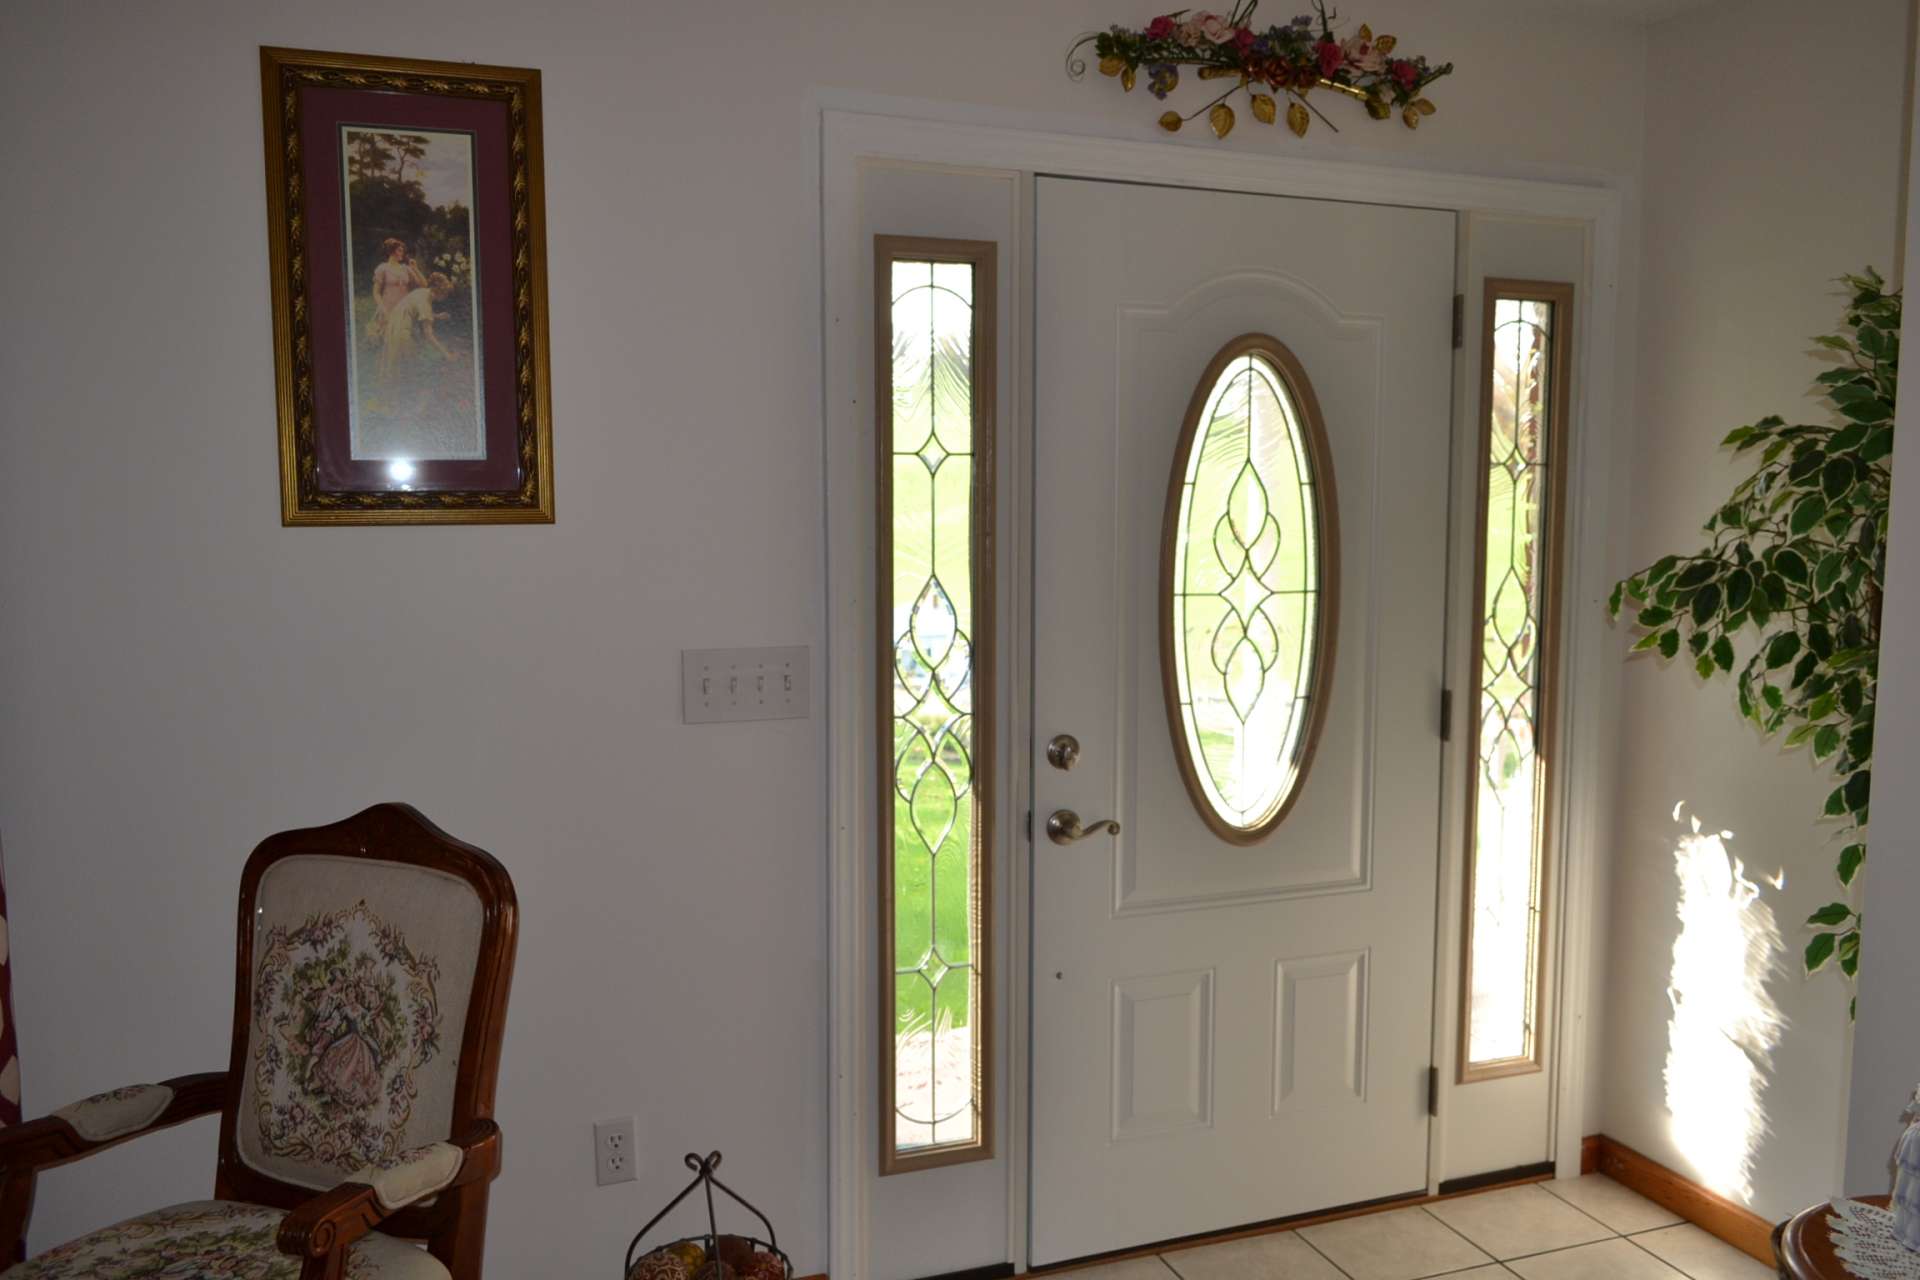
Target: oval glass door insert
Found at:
x=1247, y=561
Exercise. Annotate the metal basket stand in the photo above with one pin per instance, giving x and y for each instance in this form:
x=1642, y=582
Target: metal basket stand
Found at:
x=703, y=1168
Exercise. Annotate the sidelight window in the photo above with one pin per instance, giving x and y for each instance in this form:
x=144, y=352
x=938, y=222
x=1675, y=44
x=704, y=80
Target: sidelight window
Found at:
x=1509, y=739
x=934, y=365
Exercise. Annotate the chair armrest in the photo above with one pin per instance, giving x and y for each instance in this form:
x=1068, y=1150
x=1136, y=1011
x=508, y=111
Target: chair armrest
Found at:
x=322, y=1229
x=106, y=1120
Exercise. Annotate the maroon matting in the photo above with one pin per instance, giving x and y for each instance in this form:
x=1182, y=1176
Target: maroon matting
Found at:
x=322, y=112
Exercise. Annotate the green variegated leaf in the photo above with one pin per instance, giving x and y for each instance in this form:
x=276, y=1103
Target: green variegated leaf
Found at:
x=1831, y=914
x=1850, y=859
x=1782, y=648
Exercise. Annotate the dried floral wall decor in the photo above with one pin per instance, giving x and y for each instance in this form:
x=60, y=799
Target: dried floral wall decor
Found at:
x=1281, y=62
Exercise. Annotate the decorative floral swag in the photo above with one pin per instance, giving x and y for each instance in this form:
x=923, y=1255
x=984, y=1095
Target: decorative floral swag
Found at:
x=1290, y=60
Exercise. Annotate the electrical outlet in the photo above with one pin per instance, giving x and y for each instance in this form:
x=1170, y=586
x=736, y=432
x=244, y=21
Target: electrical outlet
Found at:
x=613, y=1154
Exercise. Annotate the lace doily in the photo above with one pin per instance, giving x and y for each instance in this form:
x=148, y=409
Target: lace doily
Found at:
x=1863, y=1238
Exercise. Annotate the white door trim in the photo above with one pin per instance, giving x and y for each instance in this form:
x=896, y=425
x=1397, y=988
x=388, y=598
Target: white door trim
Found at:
x=849, y=137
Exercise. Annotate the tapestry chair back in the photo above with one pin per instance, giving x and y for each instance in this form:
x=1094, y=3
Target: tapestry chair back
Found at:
x=374, y=961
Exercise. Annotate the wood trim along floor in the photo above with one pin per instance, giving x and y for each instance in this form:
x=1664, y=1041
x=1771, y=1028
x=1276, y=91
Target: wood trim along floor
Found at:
x=1715, y=1214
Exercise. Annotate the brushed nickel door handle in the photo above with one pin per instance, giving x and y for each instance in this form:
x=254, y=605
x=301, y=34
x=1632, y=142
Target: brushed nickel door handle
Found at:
x=1064, y=827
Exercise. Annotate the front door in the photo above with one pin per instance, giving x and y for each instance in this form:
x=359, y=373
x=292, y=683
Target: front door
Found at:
x=1242, y=441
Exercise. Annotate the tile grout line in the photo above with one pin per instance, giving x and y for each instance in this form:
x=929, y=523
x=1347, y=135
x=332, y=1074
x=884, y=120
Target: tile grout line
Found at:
x=1565, y=1248
x=1502, y=1263
x=1549, y=1185
x=1317, y=1249
x=1428, y=1210
x=1673, y=1266
x=1583, y=1213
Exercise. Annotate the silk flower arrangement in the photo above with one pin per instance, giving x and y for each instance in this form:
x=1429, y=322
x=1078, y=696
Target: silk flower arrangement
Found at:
x=1291, y=61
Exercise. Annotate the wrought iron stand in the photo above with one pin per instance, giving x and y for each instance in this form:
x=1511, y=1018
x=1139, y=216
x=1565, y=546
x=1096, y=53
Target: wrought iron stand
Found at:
x=703, y=1168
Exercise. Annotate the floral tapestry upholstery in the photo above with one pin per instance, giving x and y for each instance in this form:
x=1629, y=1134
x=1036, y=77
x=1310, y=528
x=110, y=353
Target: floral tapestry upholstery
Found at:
x=213, y=1240
x=362, y=975
x=109, y=1115
x=415, y=1176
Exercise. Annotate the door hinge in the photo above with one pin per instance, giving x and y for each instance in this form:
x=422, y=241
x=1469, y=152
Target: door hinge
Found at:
x=1029, y=826
x=1459, y=320
x=1446, y=715
x=1433, y=1091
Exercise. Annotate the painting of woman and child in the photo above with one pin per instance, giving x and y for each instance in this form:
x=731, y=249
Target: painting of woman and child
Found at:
x=413, y=326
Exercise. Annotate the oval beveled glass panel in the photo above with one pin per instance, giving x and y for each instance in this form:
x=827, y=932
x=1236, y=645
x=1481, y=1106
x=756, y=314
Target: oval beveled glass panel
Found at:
x=1246, y=626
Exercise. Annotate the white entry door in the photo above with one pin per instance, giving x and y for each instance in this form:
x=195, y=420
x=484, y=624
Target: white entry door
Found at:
x=1232, y=996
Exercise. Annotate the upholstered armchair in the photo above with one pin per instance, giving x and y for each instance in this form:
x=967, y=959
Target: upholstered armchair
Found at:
x=356, y=1110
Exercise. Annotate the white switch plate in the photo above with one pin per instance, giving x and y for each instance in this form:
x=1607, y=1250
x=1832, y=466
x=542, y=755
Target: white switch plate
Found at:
x=745, y=684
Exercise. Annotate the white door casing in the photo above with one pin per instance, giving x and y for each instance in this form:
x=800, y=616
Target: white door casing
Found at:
x=858, y=131
x=1505, y=1122
x=1228, y=1033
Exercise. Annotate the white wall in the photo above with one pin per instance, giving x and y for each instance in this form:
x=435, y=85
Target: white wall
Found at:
x=1886, y=1043
x=1762, y=183
x=180, y=676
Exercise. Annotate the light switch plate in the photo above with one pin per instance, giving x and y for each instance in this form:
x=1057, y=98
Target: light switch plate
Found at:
x=719, y=685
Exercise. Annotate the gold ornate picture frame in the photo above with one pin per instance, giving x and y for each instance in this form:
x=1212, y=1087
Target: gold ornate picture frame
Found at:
x=407, y=247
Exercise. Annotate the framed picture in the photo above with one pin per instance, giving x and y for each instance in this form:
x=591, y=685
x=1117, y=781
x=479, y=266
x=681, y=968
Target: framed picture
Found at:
x=408, y=255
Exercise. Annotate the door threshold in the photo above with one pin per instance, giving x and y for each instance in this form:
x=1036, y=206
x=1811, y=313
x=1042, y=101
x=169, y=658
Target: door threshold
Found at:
x=1273, y=1226
x=1498, y=1178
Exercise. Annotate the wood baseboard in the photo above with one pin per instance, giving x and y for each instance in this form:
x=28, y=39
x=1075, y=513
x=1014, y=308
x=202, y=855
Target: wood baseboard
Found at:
x=1590, y=1154
x=1740, y=1227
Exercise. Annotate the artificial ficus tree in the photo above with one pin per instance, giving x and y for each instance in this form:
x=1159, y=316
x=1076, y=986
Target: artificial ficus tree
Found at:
x=1797, y=556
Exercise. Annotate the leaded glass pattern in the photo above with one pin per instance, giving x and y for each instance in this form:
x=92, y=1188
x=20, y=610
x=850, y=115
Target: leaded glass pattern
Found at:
x=1244, y=592
x=1510, y=773
x=935, y=488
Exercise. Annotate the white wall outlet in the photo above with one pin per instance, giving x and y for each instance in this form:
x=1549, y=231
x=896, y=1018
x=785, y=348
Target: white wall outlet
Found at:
x=614, y=1159
x=744, y=684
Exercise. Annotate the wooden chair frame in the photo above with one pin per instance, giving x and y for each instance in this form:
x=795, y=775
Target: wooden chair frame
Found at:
x=321, y=1227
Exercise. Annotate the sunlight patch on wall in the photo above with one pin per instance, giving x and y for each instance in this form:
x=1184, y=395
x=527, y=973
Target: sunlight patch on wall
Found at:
x=1725, y=1026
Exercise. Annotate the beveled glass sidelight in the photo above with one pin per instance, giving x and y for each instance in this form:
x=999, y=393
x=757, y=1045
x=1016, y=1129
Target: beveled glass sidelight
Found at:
x=1248, y=607
x=1521, y=467
x=934, y=365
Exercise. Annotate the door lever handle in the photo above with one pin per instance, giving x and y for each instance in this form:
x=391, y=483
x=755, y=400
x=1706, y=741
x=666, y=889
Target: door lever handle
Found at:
x=1064, y=827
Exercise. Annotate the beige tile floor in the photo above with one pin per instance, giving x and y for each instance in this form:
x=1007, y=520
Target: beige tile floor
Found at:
x=1589, y=1228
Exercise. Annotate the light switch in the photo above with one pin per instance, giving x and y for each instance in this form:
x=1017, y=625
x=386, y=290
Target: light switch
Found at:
x=744, y=684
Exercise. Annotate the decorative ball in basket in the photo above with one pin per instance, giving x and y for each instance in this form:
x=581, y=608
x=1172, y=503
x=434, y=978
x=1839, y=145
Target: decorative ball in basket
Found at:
x=712, y=1256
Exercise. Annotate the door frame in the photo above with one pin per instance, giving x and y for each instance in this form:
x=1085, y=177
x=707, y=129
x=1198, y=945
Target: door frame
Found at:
x=856, y=131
